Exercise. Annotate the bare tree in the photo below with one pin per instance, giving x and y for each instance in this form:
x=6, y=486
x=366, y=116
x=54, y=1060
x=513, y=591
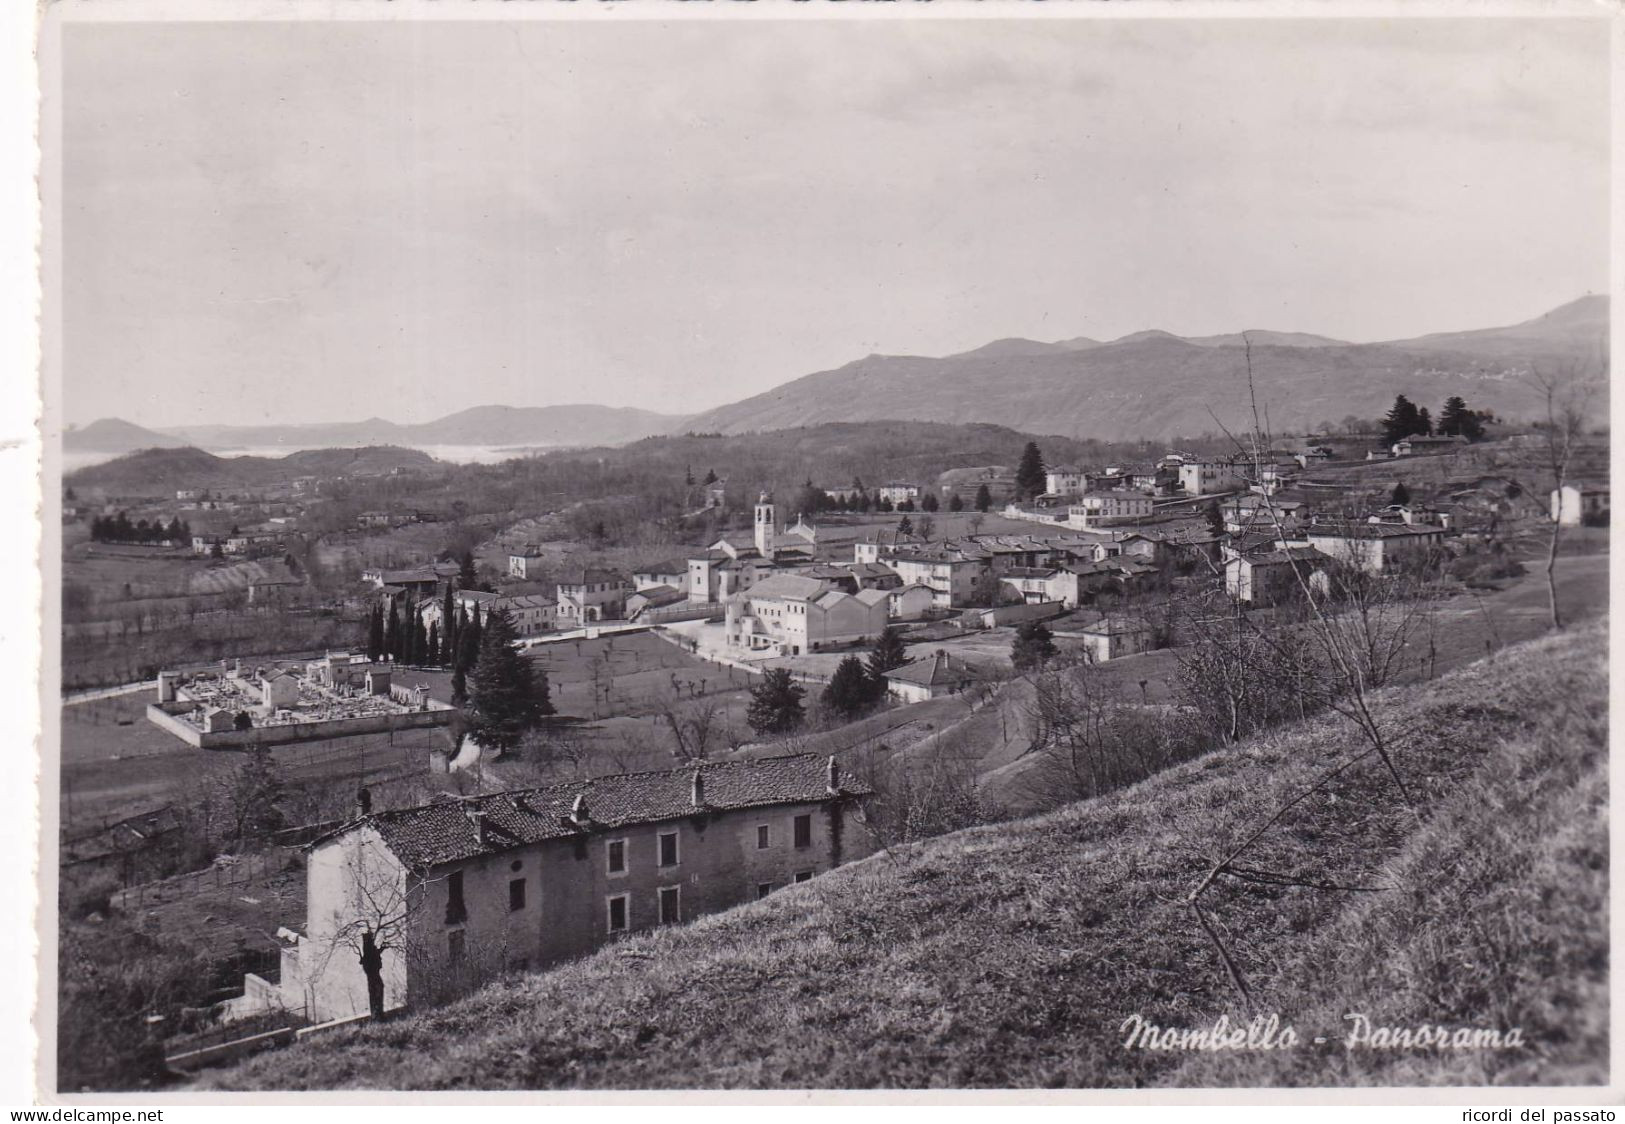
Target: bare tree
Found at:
x=1566, y=402
x=698, y=727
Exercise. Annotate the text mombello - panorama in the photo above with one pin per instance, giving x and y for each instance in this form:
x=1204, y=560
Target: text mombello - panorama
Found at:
x=1268, y=1032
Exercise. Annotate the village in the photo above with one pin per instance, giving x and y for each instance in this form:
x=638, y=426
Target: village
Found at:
x=718, y=722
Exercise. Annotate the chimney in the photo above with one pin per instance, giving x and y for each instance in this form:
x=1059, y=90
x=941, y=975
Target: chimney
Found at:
x=699, y=789
x=834, y=776
x=476, y=817
x=363, y=802
x=578, y=811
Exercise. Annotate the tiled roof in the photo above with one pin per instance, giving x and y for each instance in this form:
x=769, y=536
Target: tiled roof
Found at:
x=939, y=669
x=1370, y=530
x=1281, y=557
x=584, y=577
x=443, y=832
x=1117, y=626
x=1029, y=572
x=526, y=601
x=789, y=587
x=872, y=596
x=664, y=566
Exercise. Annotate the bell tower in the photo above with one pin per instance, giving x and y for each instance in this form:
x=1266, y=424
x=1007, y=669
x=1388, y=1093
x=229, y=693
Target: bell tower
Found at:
x=766, y=521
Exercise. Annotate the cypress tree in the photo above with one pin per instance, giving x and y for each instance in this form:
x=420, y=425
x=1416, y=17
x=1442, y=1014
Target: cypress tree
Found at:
x=1030, y=472
x=507, y=697
x=432, y=655
x=392, y=634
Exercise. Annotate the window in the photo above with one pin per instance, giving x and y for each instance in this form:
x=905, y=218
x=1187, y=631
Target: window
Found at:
x=516, y=895
x=455, y=909
x=670, y=910
x=668, y=848
x=804, y=876
x=763, y=889
x=454, y=946
x=617, y=913
x=763, y=836
x=804, y=831
x=617, y=856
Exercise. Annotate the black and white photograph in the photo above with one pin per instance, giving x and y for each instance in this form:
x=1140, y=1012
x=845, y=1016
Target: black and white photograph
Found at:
x=845, y=550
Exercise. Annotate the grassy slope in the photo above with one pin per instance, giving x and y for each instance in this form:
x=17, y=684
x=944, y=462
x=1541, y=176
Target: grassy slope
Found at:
x=1009, y=955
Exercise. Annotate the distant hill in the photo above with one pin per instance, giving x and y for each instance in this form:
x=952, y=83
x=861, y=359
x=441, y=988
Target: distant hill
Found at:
x=548, y=426
x=158, y=470
x=1577, y=330
x=1155, y=384
x=115, y=435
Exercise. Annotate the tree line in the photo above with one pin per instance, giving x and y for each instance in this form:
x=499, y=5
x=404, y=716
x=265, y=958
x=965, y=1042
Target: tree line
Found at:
x=1406, y=419
x=118, y=528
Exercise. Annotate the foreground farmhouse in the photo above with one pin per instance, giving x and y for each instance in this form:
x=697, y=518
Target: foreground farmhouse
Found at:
x=440, y=896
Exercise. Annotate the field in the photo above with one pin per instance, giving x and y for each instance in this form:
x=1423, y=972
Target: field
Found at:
x=1012, y=955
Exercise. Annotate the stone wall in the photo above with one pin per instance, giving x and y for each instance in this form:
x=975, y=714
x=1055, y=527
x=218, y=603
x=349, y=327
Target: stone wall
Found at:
x=166, y=716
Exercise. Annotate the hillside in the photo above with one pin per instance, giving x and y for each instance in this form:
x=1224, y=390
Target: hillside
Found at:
x=478, y=425
x=115, y=435
x=1152, y=383
x=1011, y=955
x=164, y=469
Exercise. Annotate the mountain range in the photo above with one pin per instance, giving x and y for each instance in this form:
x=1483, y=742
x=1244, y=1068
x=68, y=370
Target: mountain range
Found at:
x=518, y=426
x=1155, y=384
x=1148, y=384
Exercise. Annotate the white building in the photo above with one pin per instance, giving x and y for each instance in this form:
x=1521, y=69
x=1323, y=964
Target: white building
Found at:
x=1374, y=547
x=1573, y=504
x=790, y=615
x=932, y=677
x=1200, y=478
x=1063, y=480
x=1099, y=509
x=525, y=562
x=1116, y=637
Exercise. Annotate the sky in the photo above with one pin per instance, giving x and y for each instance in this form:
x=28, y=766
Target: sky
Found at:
x=284, y=222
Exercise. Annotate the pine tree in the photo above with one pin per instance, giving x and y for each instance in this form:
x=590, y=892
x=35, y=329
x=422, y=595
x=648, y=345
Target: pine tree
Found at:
x=1424, y=421
x=1030, y=472
x=984, y=498
x=848, y=691
x=887, y=654
x=1401, y=494
x=929, y=502
x=507, y=697
x=955, y=503
x=775, y=703
x=1033, y=647
x=905, y=526
x=710, y=476
x=1401, y=421
x=1456, y=420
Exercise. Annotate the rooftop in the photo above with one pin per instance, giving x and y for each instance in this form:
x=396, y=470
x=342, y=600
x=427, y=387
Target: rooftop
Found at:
x=443, y=832
x=789, y=587
x=939, y=669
